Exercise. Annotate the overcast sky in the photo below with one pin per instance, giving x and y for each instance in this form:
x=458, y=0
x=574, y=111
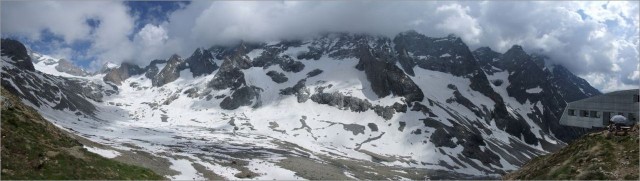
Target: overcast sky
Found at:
x=596, y=40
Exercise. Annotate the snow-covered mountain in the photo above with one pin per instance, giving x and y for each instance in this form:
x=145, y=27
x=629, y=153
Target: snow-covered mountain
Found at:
x=337, y=106
x=54, y=66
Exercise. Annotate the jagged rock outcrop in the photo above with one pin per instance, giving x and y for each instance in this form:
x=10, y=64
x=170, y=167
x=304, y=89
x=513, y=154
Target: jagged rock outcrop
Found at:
x=447, y=54
x=241, y=97
x=570, y=86
x=342, y=102
x=118, y=75
x=529, y=72
x=299, y=90
x=355, y=104
x=170, y=72
x=386, y=78
x=469, y=139
x=486, y=58
x=68, y=67
x=40, y=89
x=201, y=63
x=277, y=77
x=314, y=72
x=151, y=70
x=271, y=56
x=229, y=75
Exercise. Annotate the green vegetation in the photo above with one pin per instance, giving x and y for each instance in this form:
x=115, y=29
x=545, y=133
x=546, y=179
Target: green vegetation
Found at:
x=597, y=156
x=33, y=148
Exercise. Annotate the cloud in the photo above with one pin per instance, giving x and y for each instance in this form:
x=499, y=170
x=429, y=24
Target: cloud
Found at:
x=69, y=20
x=597, y=40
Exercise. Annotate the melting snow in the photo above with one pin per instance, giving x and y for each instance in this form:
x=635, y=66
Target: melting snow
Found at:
x=534, y=90
x=103, y=152
x=187, y=172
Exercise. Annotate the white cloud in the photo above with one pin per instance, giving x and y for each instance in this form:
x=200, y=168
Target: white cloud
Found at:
x=455, y=19
x=601, y=47
x=151, y=35
x=635, y=76
x=68, y=19
x=30, y=18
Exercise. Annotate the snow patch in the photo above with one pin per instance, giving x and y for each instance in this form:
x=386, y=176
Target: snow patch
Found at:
x=187, y=172
x=102, y=152
x=534, y=90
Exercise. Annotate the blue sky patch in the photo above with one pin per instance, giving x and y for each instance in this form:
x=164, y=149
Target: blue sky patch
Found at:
x=152, y=12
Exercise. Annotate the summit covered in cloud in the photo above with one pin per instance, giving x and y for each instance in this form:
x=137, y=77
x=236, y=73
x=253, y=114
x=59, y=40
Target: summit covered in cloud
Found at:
x=596, y=40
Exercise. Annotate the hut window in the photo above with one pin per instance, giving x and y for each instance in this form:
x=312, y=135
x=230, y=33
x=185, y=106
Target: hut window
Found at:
x=594, y=114
x=636, y=98
x=572, y=112
x=632, y=117
x=584, y=113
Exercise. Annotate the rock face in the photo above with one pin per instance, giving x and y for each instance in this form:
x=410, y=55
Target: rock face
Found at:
x=471, y=142
x=556, y=84
x=486, y=58
x=122, y=73
x=40, y=89
x=314, y=72
x=299, y=90
x=152, y=69
x=447, y=54
x=342, y=102
x=18, y=54
x=271, y=56
x=355, y=104
x=68, y=67
x=277, y=77
x=386, y=78
x=571, y=86
x=241, y=97
x=201, y=63
x=229, y=75
x=170, y=72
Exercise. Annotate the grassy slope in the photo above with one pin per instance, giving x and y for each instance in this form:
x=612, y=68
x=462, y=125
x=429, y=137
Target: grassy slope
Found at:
x=33, y=148
x=597, y=156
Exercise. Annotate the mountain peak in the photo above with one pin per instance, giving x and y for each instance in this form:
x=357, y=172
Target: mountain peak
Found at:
x=18, y=53
x=197, y=52
x=516, y=48
x=516, y=54
x=484, y=49
x=124, y=71
x=70, y=68
x=175, y=57
x=201, y=63
x=454, y=37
